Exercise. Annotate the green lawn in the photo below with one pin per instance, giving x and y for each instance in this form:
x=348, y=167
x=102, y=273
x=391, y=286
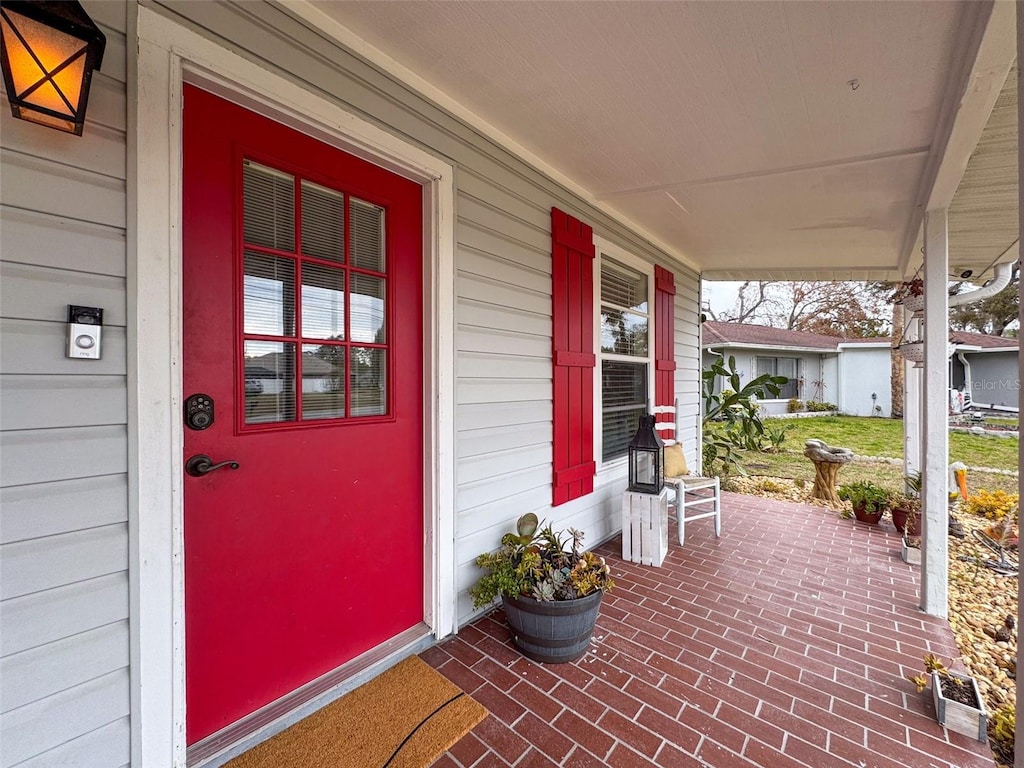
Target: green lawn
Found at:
x=880, y=437
x=884, y=437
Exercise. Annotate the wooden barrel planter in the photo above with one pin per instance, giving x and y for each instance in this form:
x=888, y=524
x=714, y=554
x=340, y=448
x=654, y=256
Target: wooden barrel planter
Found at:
x=552, y=632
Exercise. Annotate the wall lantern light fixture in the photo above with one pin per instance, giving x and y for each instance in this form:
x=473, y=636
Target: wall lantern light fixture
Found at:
x=49, y=51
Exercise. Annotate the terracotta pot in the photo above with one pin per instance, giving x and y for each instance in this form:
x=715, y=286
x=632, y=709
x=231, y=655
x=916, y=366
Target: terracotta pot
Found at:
x=863, y=516
x=900, y=517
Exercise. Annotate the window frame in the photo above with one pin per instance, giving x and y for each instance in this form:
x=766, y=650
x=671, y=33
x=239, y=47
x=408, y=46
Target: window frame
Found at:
x=796, y=380
x=604, y=248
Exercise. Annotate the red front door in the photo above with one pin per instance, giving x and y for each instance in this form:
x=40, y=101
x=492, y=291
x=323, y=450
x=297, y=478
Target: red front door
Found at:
x=302, y=294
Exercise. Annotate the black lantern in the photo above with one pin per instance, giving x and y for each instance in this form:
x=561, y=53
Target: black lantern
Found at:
x=50, y=49
x=646, y=459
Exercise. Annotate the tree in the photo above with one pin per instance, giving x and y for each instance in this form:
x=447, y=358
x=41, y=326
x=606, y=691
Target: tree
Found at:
x=751, y=297
x=849, y=309
x=989, y=316
x=884, y=292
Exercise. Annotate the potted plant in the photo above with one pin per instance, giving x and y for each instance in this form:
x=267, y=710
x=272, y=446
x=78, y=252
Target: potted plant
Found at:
x=550, y=589
x=906, y=509
x=869, y=501
x=911, y=295
x=958, y=703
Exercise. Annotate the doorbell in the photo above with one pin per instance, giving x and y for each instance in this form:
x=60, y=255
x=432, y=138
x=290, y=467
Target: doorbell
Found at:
x=85, y=325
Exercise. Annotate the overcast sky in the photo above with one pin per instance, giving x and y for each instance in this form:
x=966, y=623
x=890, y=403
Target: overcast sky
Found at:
x=720, y=295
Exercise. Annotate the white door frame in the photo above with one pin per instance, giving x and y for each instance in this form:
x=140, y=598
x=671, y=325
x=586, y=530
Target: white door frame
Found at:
x=167, y=56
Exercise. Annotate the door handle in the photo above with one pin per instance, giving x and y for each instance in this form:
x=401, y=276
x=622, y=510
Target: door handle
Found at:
x=201, y=464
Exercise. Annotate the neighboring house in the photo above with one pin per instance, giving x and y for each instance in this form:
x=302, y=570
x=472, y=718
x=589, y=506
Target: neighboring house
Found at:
x=985, y=369
x=853, y=374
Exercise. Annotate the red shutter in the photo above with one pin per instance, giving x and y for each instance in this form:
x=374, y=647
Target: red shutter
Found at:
x=572, y=313
x=664, y=341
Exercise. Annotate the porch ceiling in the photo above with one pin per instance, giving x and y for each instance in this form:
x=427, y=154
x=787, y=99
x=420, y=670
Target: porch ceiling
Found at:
x=730, y=133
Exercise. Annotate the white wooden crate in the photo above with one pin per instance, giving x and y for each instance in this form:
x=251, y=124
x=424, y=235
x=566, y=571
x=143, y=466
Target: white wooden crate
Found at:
x=645, y=527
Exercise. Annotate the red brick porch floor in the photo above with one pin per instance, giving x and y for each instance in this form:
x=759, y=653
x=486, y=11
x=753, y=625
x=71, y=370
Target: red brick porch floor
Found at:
x=783, y=644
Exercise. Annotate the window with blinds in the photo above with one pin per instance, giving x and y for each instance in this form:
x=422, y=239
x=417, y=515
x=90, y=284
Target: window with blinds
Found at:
x=625, y=333
x=781, y=366
x=314, y=301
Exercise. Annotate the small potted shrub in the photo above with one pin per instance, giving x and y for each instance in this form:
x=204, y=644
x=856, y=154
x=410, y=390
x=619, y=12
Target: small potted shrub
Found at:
x=906, y=509
x=869, y=501
x=958, y=703
x=550, y=589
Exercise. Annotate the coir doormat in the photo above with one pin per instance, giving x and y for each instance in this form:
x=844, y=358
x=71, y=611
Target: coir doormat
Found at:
x=404, y=718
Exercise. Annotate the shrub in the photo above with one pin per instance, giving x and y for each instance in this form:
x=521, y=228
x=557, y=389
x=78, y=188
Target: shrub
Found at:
x=864, y=493
x=768, y=485
x=795, y=406
x=737, y=407
x=816, y=407
x=993, y=505
x=776, y=434
x=1001, y=728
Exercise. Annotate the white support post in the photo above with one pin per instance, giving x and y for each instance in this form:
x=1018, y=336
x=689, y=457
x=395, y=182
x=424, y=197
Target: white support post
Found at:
x=935, y=407
x=1019, y=736
x=912, y=410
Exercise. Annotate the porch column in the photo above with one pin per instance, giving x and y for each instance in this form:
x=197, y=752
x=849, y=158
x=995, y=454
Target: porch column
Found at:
x=1019, y=735
x=912, y=409
x=935, y=408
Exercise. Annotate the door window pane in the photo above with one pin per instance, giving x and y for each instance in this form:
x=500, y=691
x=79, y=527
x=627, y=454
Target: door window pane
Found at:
x=269, y=295
x=268, y=207
x=367, y=321
x=269, y=382
x=367, y=235
x=323, y=381
x=323, y=302
x=323, y=222
x=369, y=381
x=314, y=327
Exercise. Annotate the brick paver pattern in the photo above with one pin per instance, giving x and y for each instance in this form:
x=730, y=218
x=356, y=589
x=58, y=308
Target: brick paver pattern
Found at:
x=783, y=644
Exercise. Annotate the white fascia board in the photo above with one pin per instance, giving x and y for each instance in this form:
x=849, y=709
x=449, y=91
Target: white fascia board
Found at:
x=341, y=34
x=772, y=348
x=868, y=345
x=984, y=350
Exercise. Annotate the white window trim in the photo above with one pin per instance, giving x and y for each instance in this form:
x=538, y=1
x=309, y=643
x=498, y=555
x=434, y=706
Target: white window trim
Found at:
x=168, y=55
x=602, y=248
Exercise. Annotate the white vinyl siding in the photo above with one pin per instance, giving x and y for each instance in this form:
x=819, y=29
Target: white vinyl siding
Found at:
x=63, y=444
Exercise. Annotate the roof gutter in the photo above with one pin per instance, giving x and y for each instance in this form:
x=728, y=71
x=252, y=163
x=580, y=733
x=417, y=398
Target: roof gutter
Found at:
x=1003, y=273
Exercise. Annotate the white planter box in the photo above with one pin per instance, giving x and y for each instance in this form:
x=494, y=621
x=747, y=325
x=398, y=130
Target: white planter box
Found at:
x=645, y=527
x=959, y=717
x=911, y=555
